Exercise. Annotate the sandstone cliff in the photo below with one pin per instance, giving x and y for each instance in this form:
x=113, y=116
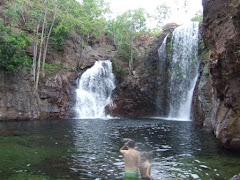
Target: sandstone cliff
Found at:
x=136, y=95
x=56, y=95
x=221, y=28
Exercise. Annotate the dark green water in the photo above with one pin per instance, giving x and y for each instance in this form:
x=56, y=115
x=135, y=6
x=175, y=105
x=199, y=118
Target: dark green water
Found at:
x=89, y=149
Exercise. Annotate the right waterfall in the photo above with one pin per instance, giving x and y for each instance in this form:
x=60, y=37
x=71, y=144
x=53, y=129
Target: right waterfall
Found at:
x=182, y=70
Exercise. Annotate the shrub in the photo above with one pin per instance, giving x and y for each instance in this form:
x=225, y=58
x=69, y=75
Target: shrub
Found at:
x=118, y=70
x=12, y=49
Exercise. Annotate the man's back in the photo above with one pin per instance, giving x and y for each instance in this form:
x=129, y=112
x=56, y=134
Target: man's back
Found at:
x=132, y=159
x=145, y=170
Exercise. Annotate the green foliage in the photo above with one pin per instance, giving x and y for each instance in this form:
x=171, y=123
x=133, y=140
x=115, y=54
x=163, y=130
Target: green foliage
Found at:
x=61, y=32
x=118, y=69
x=162, y=13
x=206, y=70
x=124, y=29
x=201, y=45
x=232, y=5
x=92, y=19
x=198, y=17
x=169, y=47
x=204, y=51
x=12, y=13
x=155, y=32
x=195, y=61
x=144, y=69
x=12, y=49
x=124, y=51
x=51, y=69
x=86, y=17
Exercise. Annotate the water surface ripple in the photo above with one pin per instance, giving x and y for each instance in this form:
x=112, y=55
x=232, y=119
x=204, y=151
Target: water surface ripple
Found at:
x=89, y=149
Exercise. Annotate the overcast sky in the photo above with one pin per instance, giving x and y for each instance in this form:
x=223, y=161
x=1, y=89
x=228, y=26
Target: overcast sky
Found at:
x=183, y=10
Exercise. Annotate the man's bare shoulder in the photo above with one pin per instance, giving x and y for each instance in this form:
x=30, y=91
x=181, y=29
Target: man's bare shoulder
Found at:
x=123, y=151
x=137, y=152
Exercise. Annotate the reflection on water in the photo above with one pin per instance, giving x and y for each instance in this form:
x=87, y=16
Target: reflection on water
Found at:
x=89, y=149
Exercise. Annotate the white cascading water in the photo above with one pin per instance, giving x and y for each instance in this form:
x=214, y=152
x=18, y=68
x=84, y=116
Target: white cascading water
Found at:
x=94, y=90
x=162, y=54
x=183, y=70
x=162, y=49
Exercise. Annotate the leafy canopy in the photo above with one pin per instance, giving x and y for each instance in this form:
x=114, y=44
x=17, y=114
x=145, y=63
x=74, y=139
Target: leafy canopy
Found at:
x=125, y=28
x=12, y=49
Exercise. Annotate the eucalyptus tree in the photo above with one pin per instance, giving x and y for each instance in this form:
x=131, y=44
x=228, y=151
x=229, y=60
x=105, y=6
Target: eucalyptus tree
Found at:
x=50, y=22
x=12, y=49
x=92, y=20
x=124, y=29
x=43, y=16
x=37, y=16
x=198, y=17
x=162, y=13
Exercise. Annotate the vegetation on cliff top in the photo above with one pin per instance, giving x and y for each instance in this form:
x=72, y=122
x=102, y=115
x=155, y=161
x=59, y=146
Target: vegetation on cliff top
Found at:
x=47, y=24
x=12, y=48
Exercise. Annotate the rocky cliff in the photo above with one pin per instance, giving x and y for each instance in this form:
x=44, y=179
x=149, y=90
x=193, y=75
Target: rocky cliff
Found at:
x=55, y=97
x=136, y=95
x=221, y=28
x=133, y=96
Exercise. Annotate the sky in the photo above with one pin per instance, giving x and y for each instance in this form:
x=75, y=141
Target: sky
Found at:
x=183, y=10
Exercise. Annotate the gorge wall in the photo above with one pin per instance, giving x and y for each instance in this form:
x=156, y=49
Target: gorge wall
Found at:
x=136, y=95
x=220, y=91
x=56, y=94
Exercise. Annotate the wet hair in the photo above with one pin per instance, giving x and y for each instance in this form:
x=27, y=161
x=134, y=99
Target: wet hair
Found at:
x=131, y=144
x=147, y=156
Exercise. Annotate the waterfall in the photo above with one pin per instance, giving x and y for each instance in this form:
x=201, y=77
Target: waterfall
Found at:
x=94, y=90
x=162, y=78
x=162, y=49
x=182, y=70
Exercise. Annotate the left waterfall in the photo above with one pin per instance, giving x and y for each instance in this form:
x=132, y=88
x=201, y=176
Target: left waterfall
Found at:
x=94, y=90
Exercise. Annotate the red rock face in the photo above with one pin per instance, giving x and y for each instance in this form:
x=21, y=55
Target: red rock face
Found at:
x=221, y=34
x=130, y=101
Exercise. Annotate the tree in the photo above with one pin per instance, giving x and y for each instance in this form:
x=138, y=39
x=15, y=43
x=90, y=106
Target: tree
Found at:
x=124, y=29
x=36, y=16
x=198, y=17
x=92, y=21
x=45, y=21
x=12, y=49
x=162, y=14
x=50, y=23
x=49, y=32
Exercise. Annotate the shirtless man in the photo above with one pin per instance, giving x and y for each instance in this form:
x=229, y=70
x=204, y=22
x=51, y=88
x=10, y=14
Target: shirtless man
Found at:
x=146, y=167
x=132, y=160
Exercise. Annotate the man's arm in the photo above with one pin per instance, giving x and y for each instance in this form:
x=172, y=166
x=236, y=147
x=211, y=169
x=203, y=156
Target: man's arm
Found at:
x=124, y=148
x=148, y=172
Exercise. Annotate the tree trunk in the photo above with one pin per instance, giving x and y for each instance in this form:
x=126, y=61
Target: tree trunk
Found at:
x=131, y=58
x=47, y=40
x=35, y=48
x=40, y=48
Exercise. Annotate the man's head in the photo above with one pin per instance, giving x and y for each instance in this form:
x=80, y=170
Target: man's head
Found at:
x=131, y=144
